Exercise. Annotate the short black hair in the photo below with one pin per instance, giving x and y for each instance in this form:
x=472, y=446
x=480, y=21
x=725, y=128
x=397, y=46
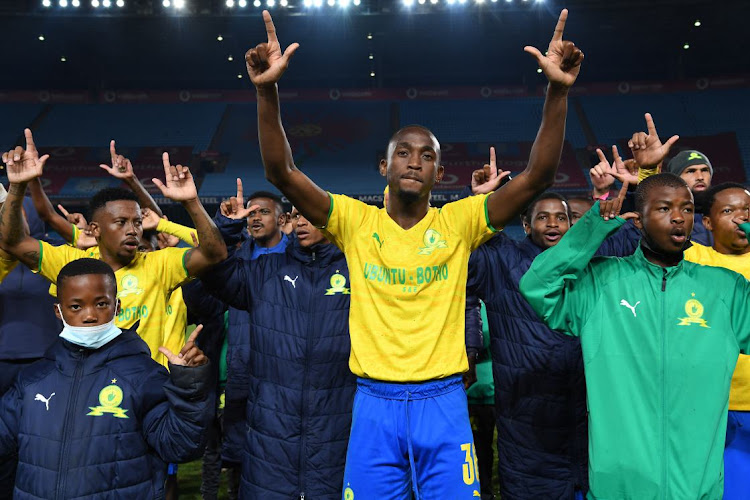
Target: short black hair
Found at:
x=106, y=195
x=86, y=266
x=398, y=132
x=549, y=195
x=662, y=180
x=709, y=198
x=270, y=196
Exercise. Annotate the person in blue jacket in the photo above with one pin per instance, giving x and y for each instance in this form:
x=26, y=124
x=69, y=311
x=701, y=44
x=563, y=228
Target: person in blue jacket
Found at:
x=28, y=327
x=300, y=390
x=540, y=396
x=97, y=417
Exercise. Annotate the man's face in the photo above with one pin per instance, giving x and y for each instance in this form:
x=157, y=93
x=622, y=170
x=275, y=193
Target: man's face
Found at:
x=307, y=234
x=577, y=209
x=87, y=300
x=264, y=223
x=547, y=223
x=730, y=209
x=118, y=228
x=698, y=177
x=667, y=219
x=412, y=167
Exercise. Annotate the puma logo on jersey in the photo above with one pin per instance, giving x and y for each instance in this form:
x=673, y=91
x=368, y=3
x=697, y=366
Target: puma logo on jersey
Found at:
x=625, y=303
x=44, y=400
x=290, y=280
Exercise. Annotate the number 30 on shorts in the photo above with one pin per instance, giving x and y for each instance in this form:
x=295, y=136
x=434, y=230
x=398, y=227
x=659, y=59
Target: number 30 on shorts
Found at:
x=470, y=467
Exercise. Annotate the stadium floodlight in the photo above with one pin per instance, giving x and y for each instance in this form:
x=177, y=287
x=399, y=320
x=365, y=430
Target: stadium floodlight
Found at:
x=686, y=46
x=331, y=3
x=106, y=4
x=462, y=1
x=697, y=23
x=46, y=3
x=121, y=3
x=539, y=70
x=95, y=3
x=408, y=3
x=357, y=2
x=307, y=3
x=343, y=4
x=166, y=3
x=219, y=38
x=450, y=2
x=63, y=59
x=256, y=3
x=63, y=3
x=229, y=3
x=270, y=3
x=421, y=2
x=242, y=3
x=372, y=74
x=76, y=3
x=479, y=1
x=317, y=3
x=433, y=2
x=283, y=3
x=239, y=75
x=371, y=57
x=40, y=38
x=179, y=4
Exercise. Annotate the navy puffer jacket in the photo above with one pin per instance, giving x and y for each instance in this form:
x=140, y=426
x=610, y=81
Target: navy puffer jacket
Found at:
x=301, y=390
x=100, y=424
x=540, y=391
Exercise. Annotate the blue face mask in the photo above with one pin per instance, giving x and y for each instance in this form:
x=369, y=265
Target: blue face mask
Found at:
x=91, y=337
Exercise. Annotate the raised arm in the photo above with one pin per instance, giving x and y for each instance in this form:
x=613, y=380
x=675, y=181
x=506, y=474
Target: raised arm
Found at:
x=180, y=186
x=560, y=65
x=122, y=169
x=265, y=65
x=23, y=166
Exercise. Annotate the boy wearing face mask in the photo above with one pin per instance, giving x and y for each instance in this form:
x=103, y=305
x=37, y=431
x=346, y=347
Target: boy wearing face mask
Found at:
x=105, y=415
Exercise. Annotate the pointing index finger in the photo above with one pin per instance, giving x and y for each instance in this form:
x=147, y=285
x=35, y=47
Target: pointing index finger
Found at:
x=560, y=28
x=112, y=151
x=195, y=333
x=493, y=158
x=62, y=209
x=165, y=161
x=239, y=190
x=650, y=125
x=30, y=146
x=270, y=28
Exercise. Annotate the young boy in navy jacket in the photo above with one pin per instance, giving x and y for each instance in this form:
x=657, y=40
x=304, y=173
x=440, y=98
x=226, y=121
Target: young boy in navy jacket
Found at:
x=97, y=417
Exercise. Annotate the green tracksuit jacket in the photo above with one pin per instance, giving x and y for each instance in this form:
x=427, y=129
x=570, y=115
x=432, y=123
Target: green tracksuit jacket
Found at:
x=659, y=348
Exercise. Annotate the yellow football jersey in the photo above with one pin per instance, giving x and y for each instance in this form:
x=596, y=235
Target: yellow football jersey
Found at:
x=739, y=394
x=143, y=287
x=6, y=266
x=408, y=287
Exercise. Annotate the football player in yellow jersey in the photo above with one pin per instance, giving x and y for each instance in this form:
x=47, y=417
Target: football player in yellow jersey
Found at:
x=726, y=208
x=410, y=431
x=7, y=261
x=145, y=280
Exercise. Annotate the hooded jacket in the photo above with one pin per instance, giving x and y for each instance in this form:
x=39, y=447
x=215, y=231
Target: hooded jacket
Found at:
x=659, y=348
x=102, y=423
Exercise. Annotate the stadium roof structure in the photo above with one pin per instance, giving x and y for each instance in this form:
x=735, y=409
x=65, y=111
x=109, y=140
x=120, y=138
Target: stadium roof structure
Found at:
x=379, y=43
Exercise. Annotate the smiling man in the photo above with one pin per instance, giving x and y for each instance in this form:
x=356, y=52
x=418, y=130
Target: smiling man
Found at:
x=407, y=259
x=659, y=345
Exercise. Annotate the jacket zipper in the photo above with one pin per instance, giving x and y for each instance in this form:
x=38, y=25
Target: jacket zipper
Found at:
x=664, y=384
x=303, y=419
x=67, y=427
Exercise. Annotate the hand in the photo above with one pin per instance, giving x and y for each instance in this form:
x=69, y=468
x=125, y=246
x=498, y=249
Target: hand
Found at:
x=562, y=63
x=190, y=354
x=265, y=63
x=648, y=151
x=288, y=227
x=150, y=219
x=488, y=178
x=24, y=165
x=121, y=166
x=234, y=207
x=470, y=377
x=603, y=174
x=180, y=184
x=75, y=218
x=609, y=209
